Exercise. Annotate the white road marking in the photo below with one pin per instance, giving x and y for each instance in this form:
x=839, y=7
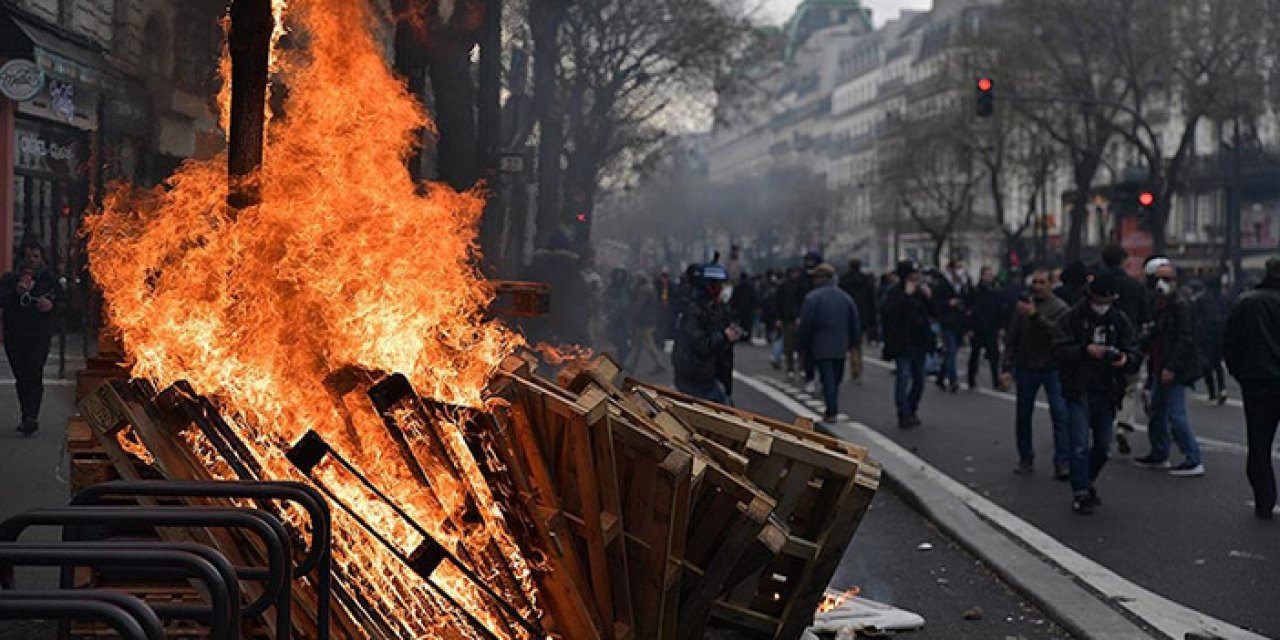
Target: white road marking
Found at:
x=47, y=382
x=1169, y=617
x=1207, y=444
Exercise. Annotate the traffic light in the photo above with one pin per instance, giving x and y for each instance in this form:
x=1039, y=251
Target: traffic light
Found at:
x=985, y=97
x=1146, y=199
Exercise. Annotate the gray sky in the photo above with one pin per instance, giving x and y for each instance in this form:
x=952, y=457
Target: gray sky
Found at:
x=881, y=10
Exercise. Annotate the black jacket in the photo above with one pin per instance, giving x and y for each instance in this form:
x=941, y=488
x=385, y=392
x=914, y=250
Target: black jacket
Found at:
x=22, y=320
x=791, y=295
x=1252, y=347
x=1082, y=374
x=906, y=322
x=702, y=350
x=1029, y=343
x=954, y=319
x=1172, y=344
x=989, y=310
x=1135, y=299
x=862, y=288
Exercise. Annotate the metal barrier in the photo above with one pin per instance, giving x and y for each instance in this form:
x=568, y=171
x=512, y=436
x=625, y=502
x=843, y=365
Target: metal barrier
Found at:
x=186, y=560
x=277, y=589
x=318, y=558
x=128, y=616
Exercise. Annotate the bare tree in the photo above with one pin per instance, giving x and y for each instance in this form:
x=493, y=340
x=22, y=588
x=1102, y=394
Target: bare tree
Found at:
x=1071, y=91
x=933, y=173
x=1199, y=57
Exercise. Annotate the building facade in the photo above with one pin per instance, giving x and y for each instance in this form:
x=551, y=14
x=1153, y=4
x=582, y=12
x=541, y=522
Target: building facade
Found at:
x=96, y=91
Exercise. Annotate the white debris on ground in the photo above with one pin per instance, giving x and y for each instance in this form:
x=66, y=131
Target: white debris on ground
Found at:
x=855, y=616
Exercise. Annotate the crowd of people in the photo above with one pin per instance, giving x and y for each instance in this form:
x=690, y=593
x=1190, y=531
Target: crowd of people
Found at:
x=1102, y=346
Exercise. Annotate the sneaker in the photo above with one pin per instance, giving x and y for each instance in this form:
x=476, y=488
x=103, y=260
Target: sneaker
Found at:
x=830, y=418
x=811, y=387
x=915, y=420
x=1025, y=467
x=908, y=422
x=955, y=387
x=1083, y=504
x=1151, y=462
x=1222, y=398
x=1187, y=470
x=1061, y=471
x=28, y=427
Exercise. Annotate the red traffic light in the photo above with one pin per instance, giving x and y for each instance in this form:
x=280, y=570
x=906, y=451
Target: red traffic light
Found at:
x=582, y=218
x=985, y=84
x=1146, y=198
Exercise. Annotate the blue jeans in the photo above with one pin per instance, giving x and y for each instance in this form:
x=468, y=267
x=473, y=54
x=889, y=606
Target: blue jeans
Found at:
x=951, y=342
x=715, y=393
x=1091, y=427
x=1028, y=384
x=830, y=370
x=909, y=385
x=777, y=349
x=1169, y=409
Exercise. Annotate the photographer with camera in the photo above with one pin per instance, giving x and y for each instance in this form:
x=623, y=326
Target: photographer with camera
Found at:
x=1095, y=352
x=28, y=297
x=705, y=335
x=1028, y=361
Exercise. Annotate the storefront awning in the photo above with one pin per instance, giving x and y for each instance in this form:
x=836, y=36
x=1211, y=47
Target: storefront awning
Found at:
x=61, y=56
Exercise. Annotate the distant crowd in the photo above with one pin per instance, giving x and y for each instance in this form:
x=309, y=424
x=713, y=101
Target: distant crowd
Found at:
x=1102, y=345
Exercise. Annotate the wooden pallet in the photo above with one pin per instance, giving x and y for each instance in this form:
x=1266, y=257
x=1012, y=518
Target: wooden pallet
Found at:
x=822, y=490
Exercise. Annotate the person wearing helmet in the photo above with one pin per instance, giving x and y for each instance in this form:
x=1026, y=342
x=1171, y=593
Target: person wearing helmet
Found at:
x=705, y=335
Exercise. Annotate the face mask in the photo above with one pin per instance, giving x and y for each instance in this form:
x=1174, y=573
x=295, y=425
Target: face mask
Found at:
x=1164, y=287
x=1100, y=309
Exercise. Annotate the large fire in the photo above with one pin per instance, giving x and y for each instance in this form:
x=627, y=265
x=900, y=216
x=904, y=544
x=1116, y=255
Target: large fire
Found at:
x=344, y=265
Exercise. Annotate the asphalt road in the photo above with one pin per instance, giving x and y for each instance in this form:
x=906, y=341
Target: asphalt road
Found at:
x=1194, y=541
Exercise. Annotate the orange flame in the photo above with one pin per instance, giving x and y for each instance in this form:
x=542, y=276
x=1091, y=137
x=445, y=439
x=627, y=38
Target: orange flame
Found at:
x=342, y=265
x=830, y=602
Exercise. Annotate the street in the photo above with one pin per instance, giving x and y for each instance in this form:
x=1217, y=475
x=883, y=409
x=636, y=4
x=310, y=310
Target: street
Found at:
x=1193, y=541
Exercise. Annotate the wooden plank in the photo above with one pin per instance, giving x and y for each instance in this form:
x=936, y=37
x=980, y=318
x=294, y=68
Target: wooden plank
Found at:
x=741, y=530
x=813, y=581
x=654, y=479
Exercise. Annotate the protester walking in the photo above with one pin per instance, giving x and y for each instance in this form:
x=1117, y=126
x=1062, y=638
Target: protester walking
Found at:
x=645, y=313
x=1133, y=301
x=988, y=315
x=862, y=288
x=1252, y=350
x=952, y=313
x=1173, y=364
x=1096, y=351
x=1212, y=306
x=829, y=329
x=908, y=339
x=705, y=335
x=744, y=303
x=791, y=295
x=1028, y=362
x=28, y=299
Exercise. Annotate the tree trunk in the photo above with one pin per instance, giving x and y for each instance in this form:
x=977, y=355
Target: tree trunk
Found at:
x=250, y=46
x=546, y=17
x=1085, y=170
x=490, y=133
x=411, y=65
x=449, y=65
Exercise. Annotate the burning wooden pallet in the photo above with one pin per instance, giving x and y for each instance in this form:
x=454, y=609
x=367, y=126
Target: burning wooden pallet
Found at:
x=639, y=512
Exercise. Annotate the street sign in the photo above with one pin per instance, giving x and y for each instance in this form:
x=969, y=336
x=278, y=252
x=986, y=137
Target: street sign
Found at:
x=20, y=80
x=511, y=163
